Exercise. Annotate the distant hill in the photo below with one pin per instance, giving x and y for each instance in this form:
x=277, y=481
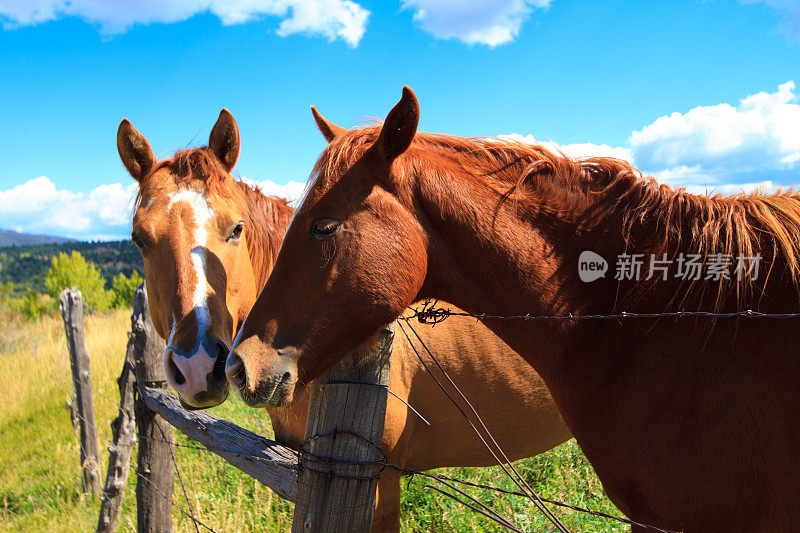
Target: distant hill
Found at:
x=14, y=238
x=27, y=266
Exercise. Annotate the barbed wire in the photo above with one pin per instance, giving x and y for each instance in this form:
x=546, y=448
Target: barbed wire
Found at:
x=383, y=463
x=585, y=510
x=191, y=516
x=178, y=507
x=180, y=479
x=118, y=508
x=488, y=512
x=429, y=313
x=515, y=476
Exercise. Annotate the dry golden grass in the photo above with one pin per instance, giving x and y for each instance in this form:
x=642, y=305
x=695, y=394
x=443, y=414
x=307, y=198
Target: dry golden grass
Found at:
x=36, y=362
x=40, y=478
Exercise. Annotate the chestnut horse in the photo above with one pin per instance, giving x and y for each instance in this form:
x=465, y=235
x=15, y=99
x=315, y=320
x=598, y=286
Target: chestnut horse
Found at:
x=691, y=424
x=209, y=243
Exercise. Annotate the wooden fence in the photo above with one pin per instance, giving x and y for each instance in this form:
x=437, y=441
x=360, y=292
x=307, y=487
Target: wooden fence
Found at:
x=345, y=426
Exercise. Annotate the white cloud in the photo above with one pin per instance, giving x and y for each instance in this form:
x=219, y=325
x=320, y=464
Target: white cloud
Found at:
x=488, y=22
x=731, y=188
x=759, y=138
x=694, y=180
x=104, y=213
x=37, y=206
x=720, y=148
x=292, y=190
x=715, y=149
x=343, y=19
x=790, y=9
x=577, y=150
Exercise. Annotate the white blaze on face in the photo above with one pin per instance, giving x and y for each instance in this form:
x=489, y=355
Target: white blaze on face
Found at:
x=198, y=203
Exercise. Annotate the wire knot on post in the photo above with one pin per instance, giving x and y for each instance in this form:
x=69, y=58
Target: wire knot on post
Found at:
x=307, y=456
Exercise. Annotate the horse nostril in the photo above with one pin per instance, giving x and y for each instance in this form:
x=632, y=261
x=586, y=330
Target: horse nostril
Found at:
x=235, y=371
x=222, y=350
x=218, y=372
x=286, y=377
x=174, y=371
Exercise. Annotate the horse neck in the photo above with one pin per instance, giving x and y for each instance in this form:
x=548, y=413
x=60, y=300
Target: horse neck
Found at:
x=498, y=259
x=517, y=256
x=267, y=218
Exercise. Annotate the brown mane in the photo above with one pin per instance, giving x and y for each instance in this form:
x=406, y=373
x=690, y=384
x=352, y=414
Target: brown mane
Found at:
x=200, y=168
x=266, y=214
x=594, y=191
x=196, y=167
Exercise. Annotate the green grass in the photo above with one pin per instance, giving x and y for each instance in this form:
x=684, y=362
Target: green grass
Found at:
x=40, y=478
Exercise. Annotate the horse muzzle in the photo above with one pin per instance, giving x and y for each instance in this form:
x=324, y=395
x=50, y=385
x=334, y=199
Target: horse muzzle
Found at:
x=199, y=377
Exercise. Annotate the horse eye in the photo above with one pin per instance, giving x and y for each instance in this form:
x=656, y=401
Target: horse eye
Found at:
x=324, y=228
x=237, y=231
x=137, y=242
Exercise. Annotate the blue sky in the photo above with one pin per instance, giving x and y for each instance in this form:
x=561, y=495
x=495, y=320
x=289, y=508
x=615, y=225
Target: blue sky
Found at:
x=699, y=93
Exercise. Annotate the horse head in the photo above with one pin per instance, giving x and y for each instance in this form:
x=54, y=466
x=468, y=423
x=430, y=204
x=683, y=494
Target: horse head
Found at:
x=191, y=226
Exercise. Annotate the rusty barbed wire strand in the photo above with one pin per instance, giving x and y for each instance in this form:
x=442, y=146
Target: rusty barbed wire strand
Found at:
x=519, y=480
x=429, y=313
x=410, y=473
x=500, y=520
x=600, y=514
x=195, y=520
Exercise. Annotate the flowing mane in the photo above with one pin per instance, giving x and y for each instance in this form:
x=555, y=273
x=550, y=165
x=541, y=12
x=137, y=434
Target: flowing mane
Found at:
x=199, y=168
x=191, y=167
x=670, y=221
x=267, y=213
x=594, y=191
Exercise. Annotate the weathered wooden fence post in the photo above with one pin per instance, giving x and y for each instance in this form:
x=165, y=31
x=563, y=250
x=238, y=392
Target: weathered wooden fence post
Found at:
x=124, y=436
x=345, y=424
x=155, y=472
x=71, y=305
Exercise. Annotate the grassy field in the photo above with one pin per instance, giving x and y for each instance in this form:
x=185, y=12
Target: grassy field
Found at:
x=40, y=478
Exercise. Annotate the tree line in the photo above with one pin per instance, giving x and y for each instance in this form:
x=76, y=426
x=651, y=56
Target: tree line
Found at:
x=70, y=270
x=26, y=267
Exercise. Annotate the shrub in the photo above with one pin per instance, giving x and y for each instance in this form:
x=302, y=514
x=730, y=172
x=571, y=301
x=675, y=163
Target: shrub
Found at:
x=123, y=288
x=33, y=305
x=74, y=271
x=6, y=294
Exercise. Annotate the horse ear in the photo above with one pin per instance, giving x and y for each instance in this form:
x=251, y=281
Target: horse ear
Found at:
x=224, y=139
x=134, y=150
x=400, y=127
x=329, y=130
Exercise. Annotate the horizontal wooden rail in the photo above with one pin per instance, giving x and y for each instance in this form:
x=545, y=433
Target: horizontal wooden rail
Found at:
x=275, y=466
